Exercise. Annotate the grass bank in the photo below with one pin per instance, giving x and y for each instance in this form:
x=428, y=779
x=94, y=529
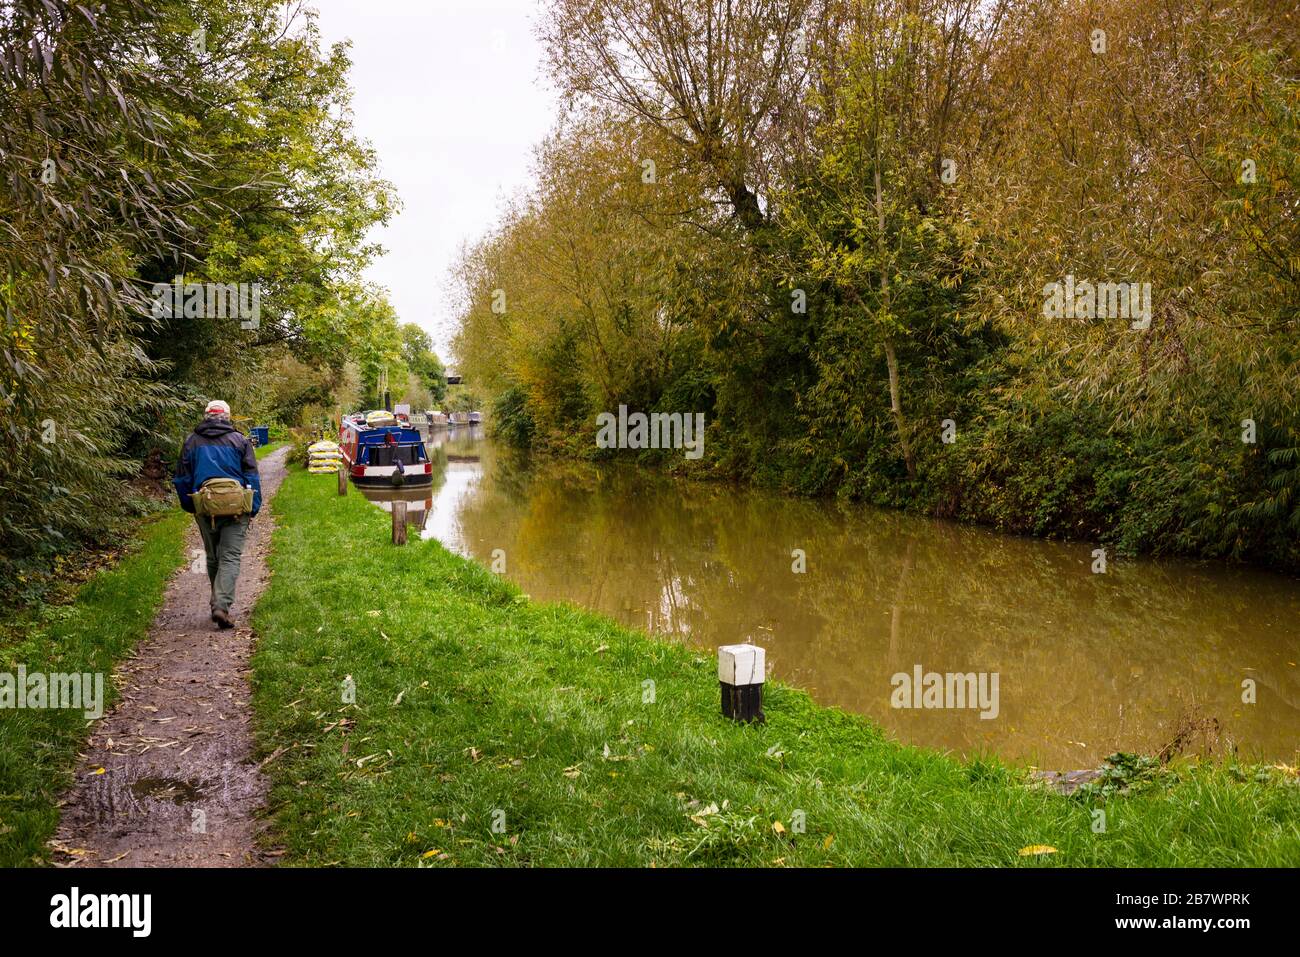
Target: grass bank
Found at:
x=90, y=633
x=488, y=729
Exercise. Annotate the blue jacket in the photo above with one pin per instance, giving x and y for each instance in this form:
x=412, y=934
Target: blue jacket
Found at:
x=216, y=449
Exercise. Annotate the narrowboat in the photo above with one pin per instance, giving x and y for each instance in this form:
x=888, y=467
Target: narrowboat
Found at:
x=377, y=450
x=460, y=418
x=475, y=418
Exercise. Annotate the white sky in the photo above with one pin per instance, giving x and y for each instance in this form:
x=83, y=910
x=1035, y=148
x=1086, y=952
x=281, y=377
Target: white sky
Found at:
x=451, y=95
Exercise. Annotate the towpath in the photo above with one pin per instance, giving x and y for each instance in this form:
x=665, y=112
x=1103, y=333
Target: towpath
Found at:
x=167, y=778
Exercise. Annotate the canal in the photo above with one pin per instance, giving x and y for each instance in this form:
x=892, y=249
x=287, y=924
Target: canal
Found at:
x=1086, y=664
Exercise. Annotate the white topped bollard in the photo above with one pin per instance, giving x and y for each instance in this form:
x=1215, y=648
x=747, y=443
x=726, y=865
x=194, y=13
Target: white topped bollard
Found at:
x=741, y=669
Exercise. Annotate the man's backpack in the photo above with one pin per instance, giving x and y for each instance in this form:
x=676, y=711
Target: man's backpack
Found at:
x=222, y=497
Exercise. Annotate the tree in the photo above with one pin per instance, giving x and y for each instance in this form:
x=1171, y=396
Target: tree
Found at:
x=870, y=219
x=422, y=362
x=709, y=75
x=140, y=141
x=95, y=173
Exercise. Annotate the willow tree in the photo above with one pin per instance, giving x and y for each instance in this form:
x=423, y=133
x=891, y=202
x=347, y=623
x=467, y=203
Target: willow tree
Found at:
x=712, y=76
x=1157, y=146
x=95, y=173
x=1148, y=145
x=140, y=140
x=872, y=217
x=578, y=299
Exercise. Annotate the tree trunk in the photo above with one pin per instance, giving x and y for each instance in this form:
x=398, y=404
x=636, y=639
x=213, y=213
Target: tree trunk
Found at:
x=896, y=406
x=745, y=205
x=891, y=358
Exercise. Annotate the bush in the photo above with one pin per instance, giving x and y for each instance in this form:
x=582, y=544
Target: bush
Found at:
x=511, y=420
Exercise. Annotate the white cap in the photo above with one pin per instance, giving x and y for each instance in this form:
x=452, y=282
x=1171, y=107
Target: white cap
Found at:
x=742, y=664
x=217, y=407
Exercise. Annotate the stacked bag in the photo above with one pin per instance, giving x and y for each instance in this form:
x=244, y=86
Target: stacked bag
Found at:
x=324, y=456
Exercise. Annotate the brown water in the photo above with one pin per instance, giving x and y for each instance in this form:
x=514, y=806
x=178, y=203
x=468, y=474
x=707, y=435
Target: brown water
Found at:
x=1087, y=663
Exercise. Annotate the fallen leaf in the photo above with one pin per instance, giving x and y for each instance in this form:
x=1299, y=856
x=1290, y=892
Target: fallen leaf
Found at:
x=1034, y=849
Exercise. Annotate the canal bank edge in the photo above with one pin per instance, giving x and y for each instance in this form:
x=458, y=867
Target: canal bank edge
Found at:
x=422, y=711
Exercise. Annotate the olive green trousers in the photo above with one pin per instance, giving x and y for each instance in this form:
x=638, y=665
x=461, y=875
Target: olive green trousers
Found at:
x=224, y=545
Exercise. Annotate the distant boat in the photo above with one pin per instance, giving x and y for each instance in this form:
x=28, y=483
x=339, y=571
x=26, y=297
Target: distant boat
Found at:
x=475, y=418
x=460, y=418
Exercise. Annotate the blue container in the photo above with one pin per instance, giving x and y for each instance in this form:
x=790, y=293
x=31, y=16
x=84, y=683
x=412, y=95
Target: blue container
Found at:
x=261, y=434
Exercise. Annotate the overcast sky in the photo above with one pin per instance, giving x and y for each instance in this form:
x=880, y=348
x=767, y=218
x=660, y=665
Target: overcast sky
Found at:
x=450, y=94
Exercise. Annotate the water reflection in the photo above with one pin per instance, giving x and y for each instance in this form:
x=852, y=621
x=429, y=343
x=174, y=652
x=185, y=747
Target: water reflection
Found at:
x=1088, y=663
x=419, y=501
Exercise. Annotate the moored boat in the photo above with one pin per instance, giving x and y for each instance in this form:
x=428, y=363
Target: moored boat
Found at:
x=376, y=452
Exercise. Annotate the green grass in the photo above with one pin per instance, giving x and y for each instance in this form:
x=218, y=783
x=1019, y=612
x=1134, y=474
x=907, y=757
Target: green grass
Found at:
x=473, y=703
x=109, y=614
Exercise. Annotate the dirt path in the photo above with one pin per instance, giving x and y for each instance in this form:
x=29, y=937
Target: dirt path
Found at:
x=178, y=787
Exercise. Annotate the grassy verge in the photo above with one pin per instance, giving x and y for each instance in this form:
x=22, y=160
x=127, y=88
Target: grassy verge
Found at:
x=476, y=707
x=108, y=615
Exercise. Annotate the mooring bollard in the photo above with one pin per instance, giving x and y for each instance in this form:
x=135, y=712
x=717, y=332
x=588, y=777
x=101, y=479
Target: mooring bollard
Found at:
x=741, y=669
x=343, y=480
x=399, y=522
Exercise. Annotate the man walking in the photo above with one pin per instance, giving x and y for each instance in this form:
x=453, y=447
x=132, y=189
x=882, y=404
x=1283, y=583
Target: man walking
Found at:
x=220, y=457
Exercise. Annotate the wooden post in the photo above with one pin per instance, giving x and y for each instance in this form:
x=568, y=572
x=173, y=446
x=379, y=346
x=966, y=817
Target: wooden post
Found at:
x=399, y=521
x=741, y=670
x=343, y=479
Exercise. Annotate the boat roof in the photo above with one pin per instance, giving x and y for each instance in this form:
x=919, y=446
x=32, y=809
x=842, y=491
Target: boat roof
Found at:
x=379, y=433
